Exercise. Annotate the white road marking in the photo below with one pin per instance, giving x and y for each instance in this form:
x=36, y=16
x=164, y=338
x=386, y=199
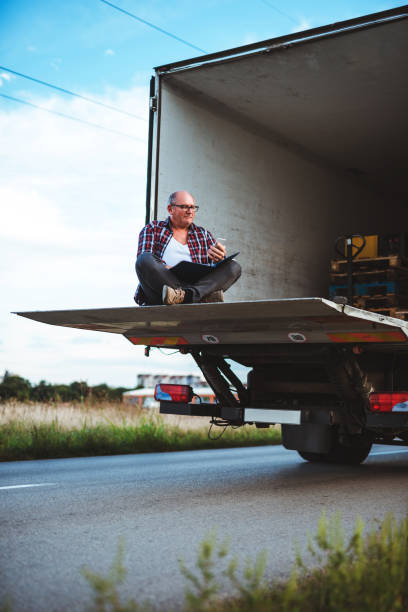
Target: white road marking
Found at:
x=393, y=452
x=26, y=486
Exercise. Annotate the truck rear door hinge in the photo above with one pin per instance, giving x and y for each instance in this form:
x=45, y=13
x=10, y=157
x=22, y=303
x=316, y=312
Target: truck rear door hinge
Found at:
x=153, y=103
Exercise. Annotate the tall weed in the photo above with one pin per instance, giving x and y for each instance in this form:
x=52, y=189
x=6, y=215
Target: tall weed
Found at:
x=365, y=573
x=203, y=584
x=106, y=588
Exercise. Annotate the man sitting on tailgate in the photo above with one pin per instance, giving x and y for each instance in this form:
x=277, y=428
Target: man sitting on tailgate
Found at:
x=162, y=244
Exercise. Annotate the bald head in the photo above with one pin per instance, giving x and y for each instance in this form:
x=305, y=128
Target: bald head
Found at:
x=178, y=197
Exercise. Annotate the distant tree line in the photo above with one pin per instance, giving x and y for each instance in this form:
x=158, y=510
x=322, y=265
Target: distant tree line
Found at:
x=20, y=389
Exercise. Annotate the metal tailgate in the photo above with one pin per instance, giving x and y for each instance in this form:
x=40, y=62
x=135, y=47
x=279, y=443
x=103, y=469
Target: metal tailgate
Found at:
x=295, y=320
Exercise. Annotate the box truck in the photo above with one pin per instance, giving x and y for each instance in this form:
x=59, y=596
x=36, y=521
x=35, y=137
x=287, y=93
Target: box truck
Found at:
x=286, y=144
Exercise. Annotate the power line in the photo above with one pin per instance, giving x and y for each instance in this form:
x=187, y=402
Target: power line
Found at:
x=71, y=93
x=90, y=123
x=151, y=25
x=275, y=8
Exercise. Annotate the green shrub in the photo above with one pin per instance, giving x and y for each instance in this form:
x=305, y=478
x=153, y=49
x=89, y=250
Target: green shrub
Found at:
x=204, y=590
x=106, y=588
x=368, y=573
x=13, y=387
x=365, y=574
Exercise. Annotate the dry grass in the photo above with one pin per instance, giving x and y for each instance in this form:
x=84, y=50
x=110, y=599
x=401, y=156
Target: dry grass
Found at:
x=43, y=431
x=71, y=416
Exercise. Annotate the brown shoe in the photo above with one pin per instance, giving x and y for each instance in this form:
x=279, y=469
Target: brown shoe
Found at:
x=172, y=296
x=215, y=296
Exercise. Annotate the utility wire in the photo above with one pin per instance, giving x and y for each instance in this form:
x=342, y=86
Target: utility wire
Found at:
x=272, y=6
x=47, y=110
x=151, y=25
x=71, y=93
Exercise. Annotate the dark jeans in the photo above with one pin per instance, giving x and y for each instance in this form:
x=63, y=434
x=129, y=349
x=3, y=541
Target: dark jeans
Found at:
x=153, y=274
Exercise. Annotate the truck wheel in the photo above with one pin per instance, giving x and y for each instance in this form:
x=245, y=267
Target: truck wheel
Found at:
x=313, y=457
x=340, y=454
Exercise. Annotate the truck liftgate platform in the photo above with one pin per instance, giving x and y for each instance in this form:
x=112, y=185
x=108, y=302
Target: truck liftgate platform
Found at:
x=287, y=321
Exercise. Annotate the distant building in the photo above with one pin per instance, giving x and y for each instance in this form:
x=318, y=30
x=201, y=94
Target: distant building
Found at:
x=151, y=380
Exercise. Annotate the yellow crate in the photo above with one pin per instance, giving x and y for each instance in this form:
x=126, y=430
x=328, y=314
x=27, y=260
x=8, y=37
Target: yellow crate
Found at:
x=370, y=250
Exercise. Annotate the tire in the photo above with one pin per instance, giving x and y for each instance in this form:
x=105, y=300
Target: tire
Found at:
x=340, y=454
x=313, y=457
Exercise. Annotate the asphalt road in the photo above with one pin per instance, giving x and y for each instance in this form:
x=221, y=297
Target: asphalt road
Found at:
x=60, y=515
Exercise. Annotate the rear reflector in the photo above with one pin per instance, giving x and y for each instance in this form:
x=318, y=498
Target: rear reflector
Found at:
x=371, y=336
x=389, y=402
x=157, y=340
x=173, y=393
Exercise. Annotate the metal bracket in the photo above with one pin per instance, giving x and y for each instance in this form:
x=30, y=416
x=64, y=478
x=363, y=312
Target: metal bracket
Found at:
x=207, y=410
x=232, y=413
x=153, y=103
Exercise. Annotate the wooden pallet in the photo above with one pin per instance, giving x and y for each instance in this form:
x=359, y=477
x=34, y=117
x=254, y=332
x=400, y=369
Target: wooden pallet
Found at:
x=371, y=276
x=381, y=302
x=339, y=266
x=401, y=314
x=370, y=289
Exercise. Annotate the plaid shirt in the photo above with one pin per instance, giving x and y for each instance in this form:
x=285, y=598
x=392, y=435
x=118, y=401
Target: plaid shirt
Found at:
x=156, y=235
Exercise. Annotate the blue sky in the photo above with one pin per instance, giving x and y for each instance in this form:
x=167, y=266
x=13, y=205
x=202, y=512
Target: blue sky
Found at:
x=89, y=45
x=72, y=196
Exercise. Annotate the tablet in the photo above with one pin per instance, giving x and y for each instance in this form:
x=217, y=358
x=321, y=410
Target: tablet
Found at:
x=190, y=272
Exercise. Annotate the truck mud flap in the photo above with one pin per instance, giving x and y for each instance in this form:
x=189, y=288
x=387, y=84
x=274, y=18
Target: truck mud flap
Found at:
x=308, y=437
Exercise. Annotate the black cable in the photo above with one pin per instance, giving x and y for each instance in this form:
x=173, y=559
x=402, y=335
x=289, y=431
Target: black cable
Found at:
x=210, y=437
x=279, y=11
x=220, y=423
x=151, y=25
x=71, y=93
x=164, y=352
x=46, y=110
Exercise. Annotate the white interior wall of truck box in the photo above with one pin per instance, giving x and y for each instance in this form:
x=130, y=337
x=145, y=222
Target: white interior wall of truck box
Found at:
x=287, y=150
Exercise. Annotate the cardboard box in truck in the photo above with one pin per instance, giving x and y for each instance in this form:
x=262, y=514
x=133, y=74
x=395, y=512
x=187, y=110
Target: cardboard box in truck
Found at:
x=286, y=144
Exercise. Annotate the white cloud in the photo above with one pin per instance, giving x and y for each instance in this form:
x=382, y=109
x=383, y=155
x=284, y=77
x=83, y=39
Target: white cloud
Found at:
x=56, y=63
x=29, y=217
x=31, y=48
x=72, y=204
x=4, y=76
x=304, y=24
x=55, y=354
x=249, y=39
x=109, y=52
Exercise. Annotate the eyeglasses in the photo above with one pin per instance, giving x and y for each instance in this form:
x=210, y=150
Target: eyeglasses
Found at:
x=186, y=207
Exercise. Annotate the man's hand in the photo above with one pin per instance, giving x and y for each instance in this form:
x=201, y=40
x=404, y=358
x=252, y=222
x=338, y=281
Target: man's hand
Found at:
x=217, y=252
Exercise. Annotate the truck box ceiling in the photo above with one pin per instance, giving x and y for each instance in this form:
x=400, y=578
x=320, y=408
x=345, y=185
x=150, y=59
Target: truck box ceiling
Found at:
x=342, y=98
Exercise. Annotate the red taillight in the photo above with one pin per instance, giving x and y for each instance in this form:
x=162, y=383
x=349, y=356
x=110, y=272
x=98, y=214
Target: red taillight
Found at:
x=389, y=402
x=173, y=393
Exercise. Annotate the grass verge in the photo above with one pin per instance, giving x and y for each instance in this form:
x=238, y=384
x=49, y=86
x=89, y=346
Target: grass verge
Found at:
x=369, y=572
x=27, y=440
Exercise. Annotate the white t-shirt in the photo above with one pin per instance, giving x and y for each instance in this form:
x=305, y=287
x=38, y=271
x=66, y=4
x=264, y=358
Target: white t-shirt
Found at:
x=175, y=252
